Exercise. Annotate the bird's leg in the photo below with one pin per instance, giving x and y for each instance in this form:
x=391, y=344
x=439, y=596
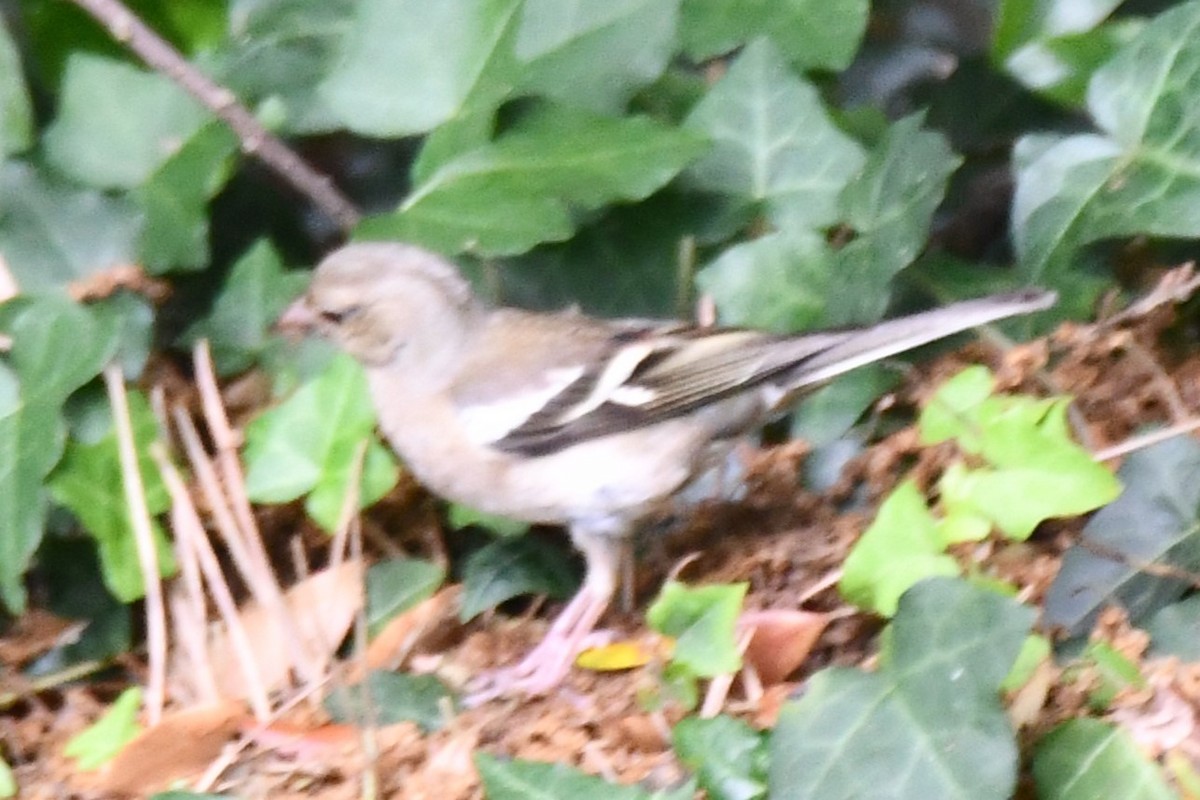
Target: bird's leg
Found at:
x=547, y=664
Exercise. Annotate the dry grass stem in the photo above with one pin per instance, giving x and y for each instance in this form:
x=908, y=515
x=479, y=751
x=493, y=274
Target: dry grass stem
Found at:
x=143, y=534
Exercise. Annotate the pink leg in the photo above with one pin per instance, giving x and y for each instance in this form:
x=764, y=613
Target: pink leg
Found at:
x=547, y=664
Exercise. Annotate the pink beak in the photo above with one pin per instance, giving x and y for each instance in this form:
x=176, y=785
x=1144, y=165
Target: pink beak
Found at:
x=297, y=318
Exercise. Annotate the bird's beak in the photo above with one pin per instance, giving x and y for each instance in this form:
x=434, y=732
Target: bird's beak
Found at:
x=297, y=319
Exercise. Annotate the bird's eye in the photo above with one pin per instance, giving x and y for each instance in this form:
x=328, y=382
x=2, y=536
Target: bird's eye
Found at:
x=336, y=316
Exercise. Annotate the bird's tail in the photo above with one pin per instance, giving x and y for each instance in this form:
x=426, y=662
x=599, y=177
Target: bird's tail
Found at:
x=859, y=347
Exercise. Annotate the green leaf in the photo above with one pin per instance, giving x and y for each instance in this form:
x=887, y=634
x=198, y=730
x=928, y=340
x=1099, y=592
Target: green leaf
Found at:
x=116, y=124
x=392, y=697
x=255, y=293
x=811, y=34
x=1115, y=673
x=889, y=207
x=1175, y=630
x=1086, y=758
x=928, y=723
x=773, y=143
x=52, y=232
x=89, y=482
x=460, y=516
x=132, y=317
x=727, y=755
x=594, y=54
x=1153, y=522
x=98, y=744
x=1033, y=472
x=1035, y=651
x=643, y=274
x=778, y=282
x=396, y=585
x=902, y=547
x=57, y=347
x=1060, y=67
x=508, y=568
x=175, y=199
x=278, y=52
x=953, y=411
x=824, y=415
x=703, y=622
x=531, y=780
x=507, y=196
x=16, y=109
x=1136, y=177
x=307, y=445
x=8, y=781
x=407, y=66
x=1054, y=46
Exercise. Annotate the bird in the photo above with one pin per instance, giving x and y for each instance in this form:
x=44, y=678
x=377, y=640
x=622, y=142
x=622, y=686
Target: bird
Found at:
x=571, y=420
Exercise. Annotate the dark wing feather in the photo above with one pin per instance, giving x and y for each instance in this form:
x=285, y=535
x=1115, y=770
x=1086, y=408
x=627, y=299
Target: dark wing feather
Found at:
x=670, y=375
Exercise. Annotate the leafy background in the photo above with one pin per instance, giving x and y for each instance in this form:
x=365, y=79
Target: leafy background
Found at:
x=800, y=163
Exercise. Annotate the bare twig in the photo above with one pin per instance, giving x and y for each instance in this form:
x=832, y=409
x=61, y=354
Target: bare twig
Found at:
x=143, y=535
x=1145, y=440
x=124, y=26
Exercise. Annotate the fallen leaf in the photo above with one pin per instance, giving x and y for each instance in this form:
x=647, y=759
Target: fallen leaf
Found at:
x=182, y=744
x=782, y=639
x=392, y=645
x=321, y=608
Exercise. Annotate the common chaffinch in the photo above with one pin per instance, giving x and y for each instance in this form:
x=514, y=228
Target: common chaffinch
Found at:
x=566, y=419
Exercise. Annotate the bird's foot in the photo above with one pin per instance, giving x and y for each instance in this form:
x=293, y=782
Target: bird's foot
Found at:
x=545, y=666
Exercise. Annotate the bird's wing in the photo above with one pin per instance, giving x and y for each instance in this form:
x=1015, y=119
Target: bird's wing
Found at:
x=597, y=378
x=615, y=377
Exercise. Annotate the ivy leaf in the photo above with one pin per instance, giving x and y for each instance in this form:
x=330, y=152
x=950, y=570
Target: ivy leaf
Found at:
x=52, y=232
x=254, y=295
x=307, y=445
x=393, y=698
x=1088, y=758
x=594, y=54
x=530, y=780
x=89, y=482
x=773, y=143
x=1153, y=522
x=116, y=124
x=507, y=196
x=407, y=66
x=175, y=199
x=1137, y=175
x=811, y=34
x=703, y=622
x=278, y=51
x=99, y=743
x=889, y=207
x=777, y=282
x=902, y=547
x=396, y=585
x=57, y=347
x=16, y=109
x=512, y=567
x=928, y=723
x=728, y=756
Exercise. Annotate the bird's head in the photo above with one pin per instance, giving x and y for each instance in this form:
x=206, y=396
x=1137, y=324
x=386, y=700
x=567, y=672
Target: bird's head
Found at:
x=378, y=299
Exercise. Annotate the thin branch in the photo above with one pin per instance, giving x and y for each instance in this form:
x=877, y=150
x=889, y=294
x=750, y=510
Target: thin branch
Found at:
x=124, y=26
x=143, y=535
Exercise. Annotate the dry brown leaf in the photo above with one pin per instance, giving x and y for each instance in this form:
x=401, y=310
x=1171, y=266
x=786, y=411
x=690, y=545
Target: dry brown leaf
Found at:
x=182, y=744
x=392, y=645
x=782, y=639
x=322, y=607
